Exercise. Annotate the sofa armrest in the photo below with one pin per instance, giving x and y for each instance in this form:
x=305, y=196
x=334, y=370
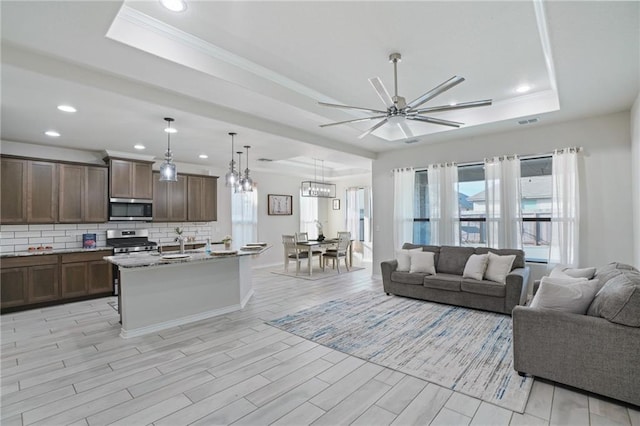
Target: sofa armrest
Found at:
x=516, y=291
x=583, y=351
x=388, y=266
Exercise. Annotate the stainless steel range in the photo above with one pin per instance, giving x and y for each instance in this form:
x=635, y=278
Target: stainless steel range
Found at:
x=130, y=241
x=127, y=242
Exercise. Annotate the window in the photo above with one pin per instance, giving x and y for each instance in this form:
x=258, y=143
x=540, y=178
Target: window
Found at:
x=244, y=217
x=536, y=207
x=472, y=208
x=421, y=225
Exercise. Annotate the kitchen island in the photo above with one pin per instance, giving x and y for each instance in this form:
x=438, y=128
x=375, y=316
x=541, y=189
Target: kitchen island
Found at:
x=159, y=291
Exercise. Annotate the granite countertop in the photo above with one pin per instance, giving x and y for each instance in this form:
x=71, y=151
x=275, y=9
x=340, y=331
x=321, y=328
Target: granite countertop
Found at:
x=53, y=251
x=141, y=260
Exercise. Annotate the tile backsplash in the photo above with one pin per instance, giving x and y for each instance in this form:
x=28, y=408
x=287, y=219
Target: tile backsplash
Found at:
x=15, y=238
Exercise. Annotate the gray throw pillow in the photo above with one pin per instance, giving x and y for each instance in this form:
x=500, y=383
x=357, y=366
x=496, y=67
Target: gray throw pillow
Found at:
x=619, y=299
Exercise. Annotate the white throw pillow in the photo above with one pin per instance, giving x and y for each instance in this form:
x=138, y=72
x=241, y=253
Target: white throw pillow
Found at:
x=423, y=261
x=499, y=267
x=564, y=272
x=404, y=259
x=572, y=295
x=476, y=266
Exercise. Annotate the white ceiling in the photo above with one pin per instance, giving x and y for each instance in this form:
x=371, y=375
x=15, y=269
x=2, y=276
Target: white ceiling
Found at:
x=259, y=68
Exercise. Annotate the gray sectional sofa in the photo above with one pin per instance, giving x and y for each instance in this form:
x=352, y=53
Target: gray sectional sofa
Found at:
x=448, y=286
x=598, y=352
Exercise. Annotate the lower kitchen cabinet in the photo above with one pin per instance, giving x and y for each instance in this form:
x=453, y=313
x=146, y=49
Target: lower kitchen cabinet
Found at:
x=29, y=280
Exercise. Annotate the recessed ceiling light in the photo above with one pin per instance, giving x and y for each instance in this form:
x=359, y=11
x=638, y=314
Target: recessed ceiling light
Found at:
x=203, y=156
x=67, y=108
x=139, y=146
x=52, y=133
x=523, y=89
x=171, y=130
x=175, y=5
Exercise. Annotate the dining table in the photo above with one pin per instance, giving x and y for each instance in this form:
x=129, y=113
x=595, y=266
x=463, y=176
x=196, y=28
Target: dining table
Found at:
x=311, y=244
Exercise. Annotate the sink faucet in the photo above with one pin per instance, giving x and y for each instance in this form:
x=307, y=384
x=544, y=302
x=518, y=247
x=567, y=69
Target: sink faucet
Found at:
x=180, y=239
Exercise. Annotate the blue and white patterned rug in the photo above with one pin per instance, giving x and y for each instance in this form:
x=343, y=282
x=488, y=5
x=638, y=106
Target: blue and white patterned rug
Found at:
x=462, y=349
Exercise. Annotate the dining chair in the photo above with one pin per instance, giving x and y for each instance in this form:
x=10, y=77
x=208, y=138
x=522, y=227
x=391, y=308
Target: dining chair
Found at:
x=292, y=252
x=303, y=237
x=335, y=247
x=340, y=253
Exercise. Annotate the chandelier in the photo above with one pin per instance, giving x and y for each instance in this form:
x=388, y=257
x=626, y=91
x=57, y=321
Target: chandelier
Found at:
x=316, y=188
x=168, y=172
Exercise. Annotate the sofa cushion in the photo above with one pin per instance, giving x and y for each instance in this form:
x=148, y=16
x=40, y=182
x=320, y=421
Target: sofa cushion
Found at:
x=440, y=281
x=518, y=261
x=573, y=295
x=565, y=272
x=414, y=278
x=452, y=260
x=423, y=261
x=475, y=267
x=432, y=249
x=484, y=287
x=499, y=267
x=619, y=300
x=404, y=259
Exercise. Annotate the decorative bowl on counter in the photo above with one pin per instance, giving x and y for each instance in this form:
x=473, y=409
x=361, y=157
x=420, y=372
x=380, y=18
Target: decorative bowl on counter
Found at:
x=223, y=252
x=175, y=256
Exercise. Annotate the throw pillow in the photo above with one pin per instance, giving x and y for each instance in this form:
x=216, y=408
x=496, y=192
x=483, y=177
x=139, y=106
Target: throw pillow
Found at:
x=476, y=266
x=404, y=259
x=564, y=272
x=619, y=300
x=499, y=267
x=572, y=295
x=423, y=261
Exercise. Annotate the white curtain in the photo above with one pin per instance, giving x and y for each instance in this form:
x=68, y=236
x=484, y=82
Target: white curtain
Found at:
x=403, y=185
x=502, y=196
x=353, y=213
x=244, y=217
x=443, y=204
x=565, y=208
x=308, y=216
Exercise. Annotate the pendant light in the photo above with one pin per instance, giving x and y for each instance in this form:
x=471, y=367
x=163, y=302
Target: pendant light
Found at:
x=316, y=188
x=232, y=177
x=168, y=172
x=246, y=183
x=238, y=185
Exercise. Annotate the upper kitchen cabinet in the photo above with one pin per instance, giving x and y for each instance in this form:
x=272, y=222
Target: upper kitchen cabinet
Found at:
x=130, y=179
x=169, y=199
x=83, y=193
x=29, y=191
x=202, y=196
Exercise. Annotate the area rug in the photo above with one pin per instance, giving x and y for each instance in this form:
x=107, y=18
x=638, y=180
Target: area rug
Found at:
x=317, y=273
x=462, y=349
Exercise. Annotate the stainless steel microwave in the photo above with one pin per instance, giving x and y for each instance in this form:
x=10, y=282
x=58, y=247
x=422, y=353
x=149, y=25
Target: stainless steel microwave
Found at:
x=130, y=209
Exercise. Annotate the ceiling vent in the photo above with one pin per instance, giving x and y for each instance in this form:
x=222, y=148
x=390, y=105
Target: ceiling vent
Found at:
x=529, y=121
x=265, y=160
x=410, y=141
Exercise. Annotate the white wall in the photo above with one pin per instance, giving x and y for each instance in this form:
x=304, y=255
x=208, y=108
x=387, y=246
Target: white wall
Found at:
x=605, y=183
x=635, y=177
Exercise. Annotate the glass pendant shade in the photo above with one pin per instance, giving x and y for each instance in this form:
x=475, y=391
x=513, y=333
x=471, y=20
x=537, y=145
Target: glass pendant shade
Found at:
x=168, y=170
x=232, y=177
x=246, y=182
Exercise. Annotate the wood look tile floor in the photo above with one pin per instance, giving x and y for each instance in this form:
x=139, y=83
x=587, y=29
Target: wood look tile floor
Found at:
x=67, y=365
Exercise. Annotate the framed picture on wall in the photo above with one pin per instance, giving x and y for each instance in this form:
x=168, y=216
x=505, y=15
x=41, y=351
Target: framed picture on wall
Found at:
x=280, y=205
x=336, y=204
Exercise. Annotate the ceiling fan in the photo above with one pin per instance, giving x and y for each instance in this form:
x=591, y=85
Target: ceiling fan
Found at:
x=398, y=110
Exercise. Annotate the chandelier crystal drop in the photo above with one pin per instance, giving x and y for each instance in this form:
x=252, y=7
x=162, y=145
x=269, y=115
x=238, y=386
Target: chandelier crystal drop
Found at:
x=168, y=171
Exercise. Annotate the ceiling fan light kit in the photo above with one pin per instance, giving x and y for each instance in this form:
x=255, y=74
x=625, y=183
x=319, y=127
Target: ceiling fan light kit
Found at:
x=398, y=111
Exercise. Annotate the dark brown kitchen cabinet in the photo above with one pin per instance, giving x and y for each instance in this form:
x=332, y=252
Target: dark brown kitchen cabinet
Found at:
x=13, y=189
x=29, y=280
x=202, y=198
x=169, y=199
x=83, y=194
x=86, y=273
x=130, y=179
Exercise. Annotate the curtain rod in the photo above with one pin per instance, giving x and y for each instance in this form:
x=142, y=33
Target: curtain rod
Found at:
x=522, y=157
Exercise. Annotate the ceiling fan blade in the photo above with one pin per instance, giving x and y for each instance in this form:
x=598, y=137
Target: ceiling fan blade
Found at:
x=352, y=107
x=373, y=129
x=353, y=121
x=381, y=91
x=434, y=121
x=405, y=129
x=463, y=105
x=436, y=91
